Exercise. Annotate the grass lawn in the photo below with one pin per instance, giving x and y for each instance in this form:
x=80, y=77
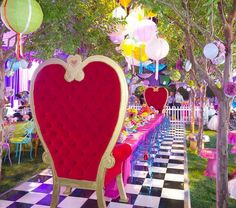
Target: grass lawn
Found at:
x=15, y=174
x=203, y=189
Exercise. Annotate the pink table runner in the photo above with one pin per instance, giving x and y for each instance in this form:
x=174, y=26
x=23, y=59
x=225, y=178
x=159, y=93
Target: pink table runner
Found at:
x=133, y=140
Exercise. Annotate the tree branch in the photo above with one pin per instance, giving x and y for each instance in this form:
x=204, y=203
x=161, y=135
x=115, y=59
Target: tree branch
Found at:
x=222, y=12
x=232, y=15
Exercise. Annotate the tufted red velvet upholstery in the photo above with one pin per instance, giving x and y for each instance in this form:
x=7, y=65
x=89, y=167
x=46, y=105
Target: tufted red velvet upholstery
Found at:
x=156, y=98
x=77, y=119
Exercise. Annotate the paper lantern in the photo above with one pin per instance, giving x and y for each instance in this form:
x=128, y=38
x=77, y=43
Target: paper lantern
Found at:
x=188, y=66
x=139, y=53
x=22, y=17
x=116, y=37
x=175, y=75
x=119, y=13
x=157, y=49
x=145, y=30
x=191, y=83
x=127, y=47
x=125, y=3
x=210, y=51
x=164, y=80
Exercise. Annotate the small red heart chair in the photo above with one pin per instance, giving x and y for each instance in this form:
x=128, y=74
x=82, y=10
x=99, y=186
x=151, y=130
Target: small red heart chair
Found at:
x=79, y=108
x=156, y=97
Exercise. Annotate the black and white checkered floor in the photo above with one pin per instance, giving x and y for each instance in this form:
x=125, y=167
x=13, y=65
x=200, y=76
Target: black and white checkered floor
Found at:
x=166, y=189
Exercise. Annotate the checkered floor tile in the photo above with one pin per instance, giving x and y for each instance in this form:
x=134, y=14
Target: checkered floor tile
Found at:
x=165, y=189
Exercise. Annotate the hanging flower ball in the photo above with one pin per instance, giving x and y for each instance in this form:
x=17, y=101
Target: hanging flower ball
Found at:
x=139, y=53
x=127, y=47
x=24, y=16
x=210, y=51
x=175, y=75
x=230, y=89
x=145, y=30
x=119, y=13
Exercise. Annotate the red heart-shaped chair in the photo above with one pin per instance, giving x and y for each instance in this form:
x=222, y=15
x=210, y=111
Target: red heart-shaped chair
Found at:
x=79, y=108
x=156, y=97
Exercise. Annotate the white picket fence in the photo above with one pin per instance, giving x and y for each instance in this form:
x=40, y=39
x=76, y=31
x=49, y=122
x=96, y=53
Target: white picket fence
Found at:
x=181, y=114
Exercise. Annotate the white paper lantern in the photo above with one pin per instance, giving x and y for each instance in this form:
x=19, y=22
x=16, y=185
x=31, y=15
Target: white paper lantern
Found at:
x=188, y=66
x=210, y=51
x=119, y=13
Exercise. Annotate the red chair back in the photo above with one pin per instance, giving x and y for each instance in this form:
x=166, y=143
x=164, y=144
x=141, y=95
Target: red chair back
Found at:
x=78, y=120
x=156, y=97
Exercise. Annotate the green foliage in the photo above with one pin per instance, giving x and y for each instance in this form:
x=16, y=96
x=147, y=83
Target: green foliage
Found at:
x=72, y=25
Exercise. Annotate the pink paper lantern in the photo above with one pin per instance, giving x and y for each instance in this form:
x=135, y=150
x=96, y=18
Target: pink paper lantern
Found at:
x=116, y=37
x=145, y=30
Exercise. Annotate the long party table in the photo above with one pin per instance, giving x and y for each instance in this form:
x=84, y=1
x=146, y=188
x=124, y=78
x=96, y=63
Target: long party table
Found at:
x=133, y=140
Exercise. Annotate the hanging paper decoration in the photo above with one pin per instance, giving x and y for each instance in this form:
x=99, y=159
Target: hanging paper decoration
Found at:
x=218, y=84
x=164, y=80
x=175, y=75
x=151, y=67
x=118, y=35
x=145, y=31
x=210, y=51
x=191, y=83
x=119, y=13
x=22, y=17
x=125, y=3
x=230, y=89
x=127, y=47
x=157, y=49
x=140, y=55
x=145, y=76
x=188, y=66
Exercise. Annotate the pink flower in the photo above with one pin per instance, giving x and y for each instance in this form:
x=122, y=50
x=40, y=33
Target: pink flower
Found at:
x=230, y=89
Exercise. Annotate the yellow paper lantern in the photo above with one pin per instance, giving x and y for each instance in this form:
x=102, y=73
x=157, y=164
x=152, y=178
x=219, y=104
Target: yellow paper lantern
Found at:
x=139, y=53
x=125, y=3
x=127, y=47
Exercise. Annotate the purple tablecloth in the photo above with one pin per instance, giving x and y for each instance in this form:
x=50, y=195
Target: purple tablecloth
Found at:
x=133, y=140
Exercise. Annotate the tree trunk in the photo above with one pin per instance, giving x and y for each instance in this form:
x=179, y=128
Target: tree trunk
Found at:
x=201, y=117
x=222, y=154
x=2, y=103
x=193, y=94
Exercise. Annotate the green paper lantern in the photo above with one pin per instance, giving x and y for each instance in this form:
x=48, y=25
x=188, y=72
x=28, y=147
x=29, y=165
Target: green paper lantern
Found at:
x=21, y=16
x=164, y=80
x=175, y=75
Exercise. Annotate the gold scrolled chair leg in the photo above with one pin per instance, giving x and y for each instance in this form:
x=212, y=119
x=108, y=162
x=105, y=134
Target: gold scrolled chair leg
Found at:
x=55, y=194
x=121, y=188
x=68, y=190
x=100, y=197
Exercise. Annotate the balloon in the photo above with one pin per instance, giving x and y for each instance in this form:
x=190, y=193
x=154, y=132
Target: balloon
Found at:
x=23, y=16
x=188, y=66
x=157, y=48
x=210, y=51
x=119, y=13
x=23, y=64
x=145, y=30
x=175, y=75
x=125, y=3
x=127, y=47
x=139, y=53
